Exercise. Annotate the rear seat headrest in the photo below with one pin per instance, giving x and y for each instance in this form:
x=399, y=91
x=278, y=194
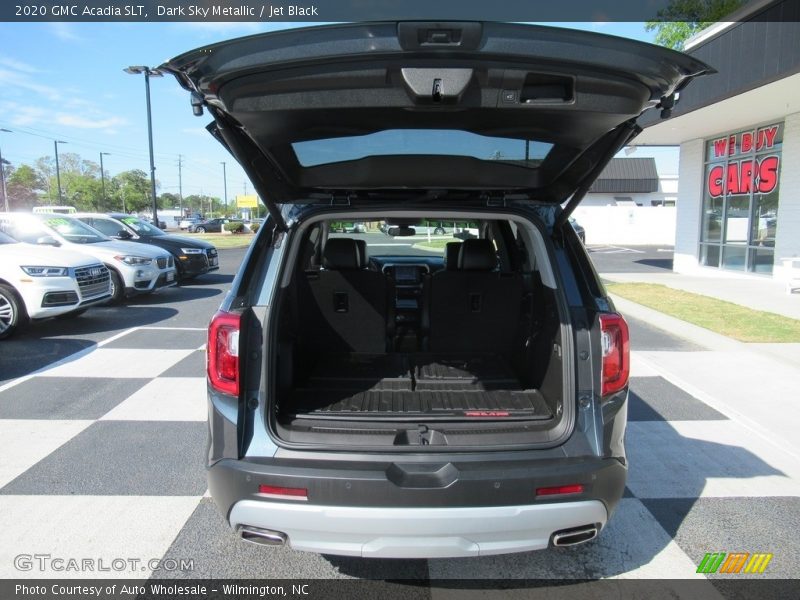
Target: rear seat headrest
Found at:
x=477, y=255
x=341, y=254
x=451, y=250
x=363, y=256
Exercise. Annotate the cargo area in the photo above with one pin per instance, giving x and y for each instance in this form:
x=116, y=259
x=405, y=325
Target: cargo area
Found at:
x=413, y=387
x=463, y=348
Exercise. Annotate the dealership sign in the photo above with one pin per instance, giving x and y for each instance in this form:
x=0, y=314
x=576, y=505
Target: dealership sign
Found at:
x=758, y=175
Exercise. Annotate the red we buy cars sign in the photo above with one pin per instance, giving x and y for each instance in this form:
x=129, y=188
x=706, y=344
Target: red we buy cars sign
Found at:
x=759, y=175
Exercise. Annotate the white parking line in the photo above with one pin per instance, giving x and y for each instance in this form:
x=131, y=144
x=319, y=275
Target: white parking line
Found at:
x=601, y=249
x=67, y=359
x=81, y=353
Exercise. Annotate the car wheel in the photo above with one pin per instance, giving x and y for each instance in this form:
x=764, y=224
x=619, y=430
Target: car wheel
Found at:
x=438, y=231
x=12, y=312
x=199, y=229
x=117, y=287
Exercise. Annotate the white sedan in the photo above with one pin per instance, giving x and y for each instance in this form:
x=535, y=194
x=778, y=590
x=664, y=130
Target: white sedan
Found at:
x=37, y=282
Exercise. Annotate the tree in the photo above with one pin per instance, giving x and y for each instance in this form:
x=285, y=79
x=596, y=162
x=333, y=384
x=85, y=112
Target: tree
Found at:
x=24, y=184
x=132, y=190
x=681, y=19
x=168, y=200
x=207, y=205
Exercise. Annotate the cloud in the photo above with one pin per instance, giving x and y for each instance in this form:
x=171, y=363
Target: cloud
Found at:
x=86, y=123
x=9, y=80
x=65, y=32
x=20, y=116
x=18, y=65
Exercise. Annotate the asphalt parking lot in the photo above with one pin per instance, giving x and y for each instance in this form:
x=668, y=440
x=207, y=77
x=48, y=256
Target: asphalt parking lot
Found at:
x=102, y=436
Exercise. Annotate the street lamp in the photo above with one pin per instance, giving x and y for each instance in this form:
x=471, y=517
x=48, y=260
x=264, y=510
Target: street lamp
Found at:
x=3, y=173
x=148, y=73
x=103, y=178
x=225, y=187
x=58, y=172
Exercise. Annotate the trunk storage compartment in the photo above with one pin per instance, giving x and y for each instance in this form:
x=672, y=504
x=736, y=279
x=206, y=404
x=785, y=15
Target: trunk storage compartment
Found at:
x=413, y=387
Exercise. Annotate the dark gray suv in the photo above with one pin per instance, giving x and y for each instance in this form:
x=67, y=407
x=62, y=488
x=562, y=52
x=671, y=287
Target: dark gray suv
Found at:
x=410, y=396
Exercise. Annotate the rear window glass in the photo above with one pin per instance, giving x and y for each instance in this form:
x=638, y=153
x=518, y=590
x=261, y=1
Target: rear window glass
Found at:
x=527, y=153
x=423, y=238
x=74, y=230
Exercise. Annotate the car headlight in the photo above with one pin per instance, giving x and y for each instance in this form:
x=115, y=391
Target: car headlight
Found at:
x=130, y=259
x=192, y=250
x=45, y=271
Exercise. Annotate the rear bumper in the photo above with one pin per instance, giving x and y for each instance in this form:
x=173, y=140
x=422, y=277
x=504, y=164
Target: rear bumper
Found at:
x=417, y=532
x=444, y=508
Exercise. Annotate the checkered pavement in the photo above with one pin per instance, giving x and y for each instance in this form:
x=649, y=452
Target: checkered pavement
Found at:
x=103, y=453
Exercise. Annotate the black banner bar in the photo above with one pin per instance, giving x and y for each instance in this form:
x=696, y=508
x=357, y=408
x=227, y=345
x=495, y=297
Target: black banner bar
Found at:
x=329, y=10
x=740, y=587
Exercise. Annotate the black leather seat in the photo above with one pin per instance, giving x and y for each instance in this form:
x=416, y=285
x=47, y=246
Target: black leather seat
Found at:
x=344, y=307
x=474, y=308
x=451, y=251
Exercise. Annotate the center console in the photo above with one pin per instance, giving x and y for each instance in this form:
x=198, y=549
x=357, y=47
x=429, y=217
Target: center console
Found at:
x=408, y=282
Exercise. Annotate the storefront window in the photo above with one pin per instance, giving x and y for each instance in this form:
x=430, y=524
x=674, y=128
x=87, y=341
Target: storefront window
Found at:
x=709, y=255
x=740, y=199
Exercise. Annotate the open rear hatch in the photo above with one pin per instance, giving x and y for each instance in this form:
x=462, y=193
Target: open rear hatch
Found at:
x=556, y=104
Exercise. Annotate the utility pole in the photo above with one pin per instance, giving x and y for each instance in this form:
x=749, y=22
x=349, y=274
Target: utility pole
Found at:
x=225, y=187
x=180, y=185
x=103, y=177
x=58, y=172
x=3, y=174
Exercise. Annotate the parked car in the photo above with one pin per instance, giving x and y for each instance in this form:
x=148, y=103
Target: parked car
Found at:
x=161, y=223
x=347, y=227
x=186, y=223
x=192, y=257
x=578, y=229
x=133, y=268
x=366, y=400
x=212, y=225
x=37, y=282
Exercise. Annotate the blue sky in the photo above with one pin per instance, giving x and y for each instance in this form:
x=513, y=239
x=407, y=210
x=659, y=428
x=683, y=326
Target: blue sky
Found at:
x=65, y=81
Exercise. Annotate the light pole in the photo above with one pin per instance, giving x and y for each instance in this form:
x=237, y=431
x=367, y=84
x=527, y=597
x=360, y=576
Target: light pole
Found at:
x=148, y=73
x=103, y=176
x=3, y=173
x=58, y=172
x=225, y=187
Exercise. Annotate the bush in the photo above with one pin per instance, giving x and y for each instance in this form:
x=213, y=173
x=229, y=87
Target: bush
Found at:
x=234, y=227
x=254, y=227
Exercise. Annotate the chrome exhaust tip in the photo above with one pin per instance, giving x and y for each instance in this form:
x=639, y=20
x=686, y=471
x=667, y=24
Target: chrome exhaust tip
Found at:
x=574, y=536
x=262, y=537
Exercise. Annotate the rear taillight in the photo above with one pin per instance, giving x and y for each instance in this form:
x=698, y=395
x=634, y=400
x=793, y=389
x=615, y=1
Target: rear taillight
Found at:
x=223, y=353
x=287, y=493
x=615, y=342
x=557, y=490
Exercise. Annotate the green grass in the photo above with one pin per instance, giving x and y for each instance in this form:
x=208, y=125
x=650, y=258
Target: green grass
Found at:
x=437, y=245
x=728, y=319
x=224, y=240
